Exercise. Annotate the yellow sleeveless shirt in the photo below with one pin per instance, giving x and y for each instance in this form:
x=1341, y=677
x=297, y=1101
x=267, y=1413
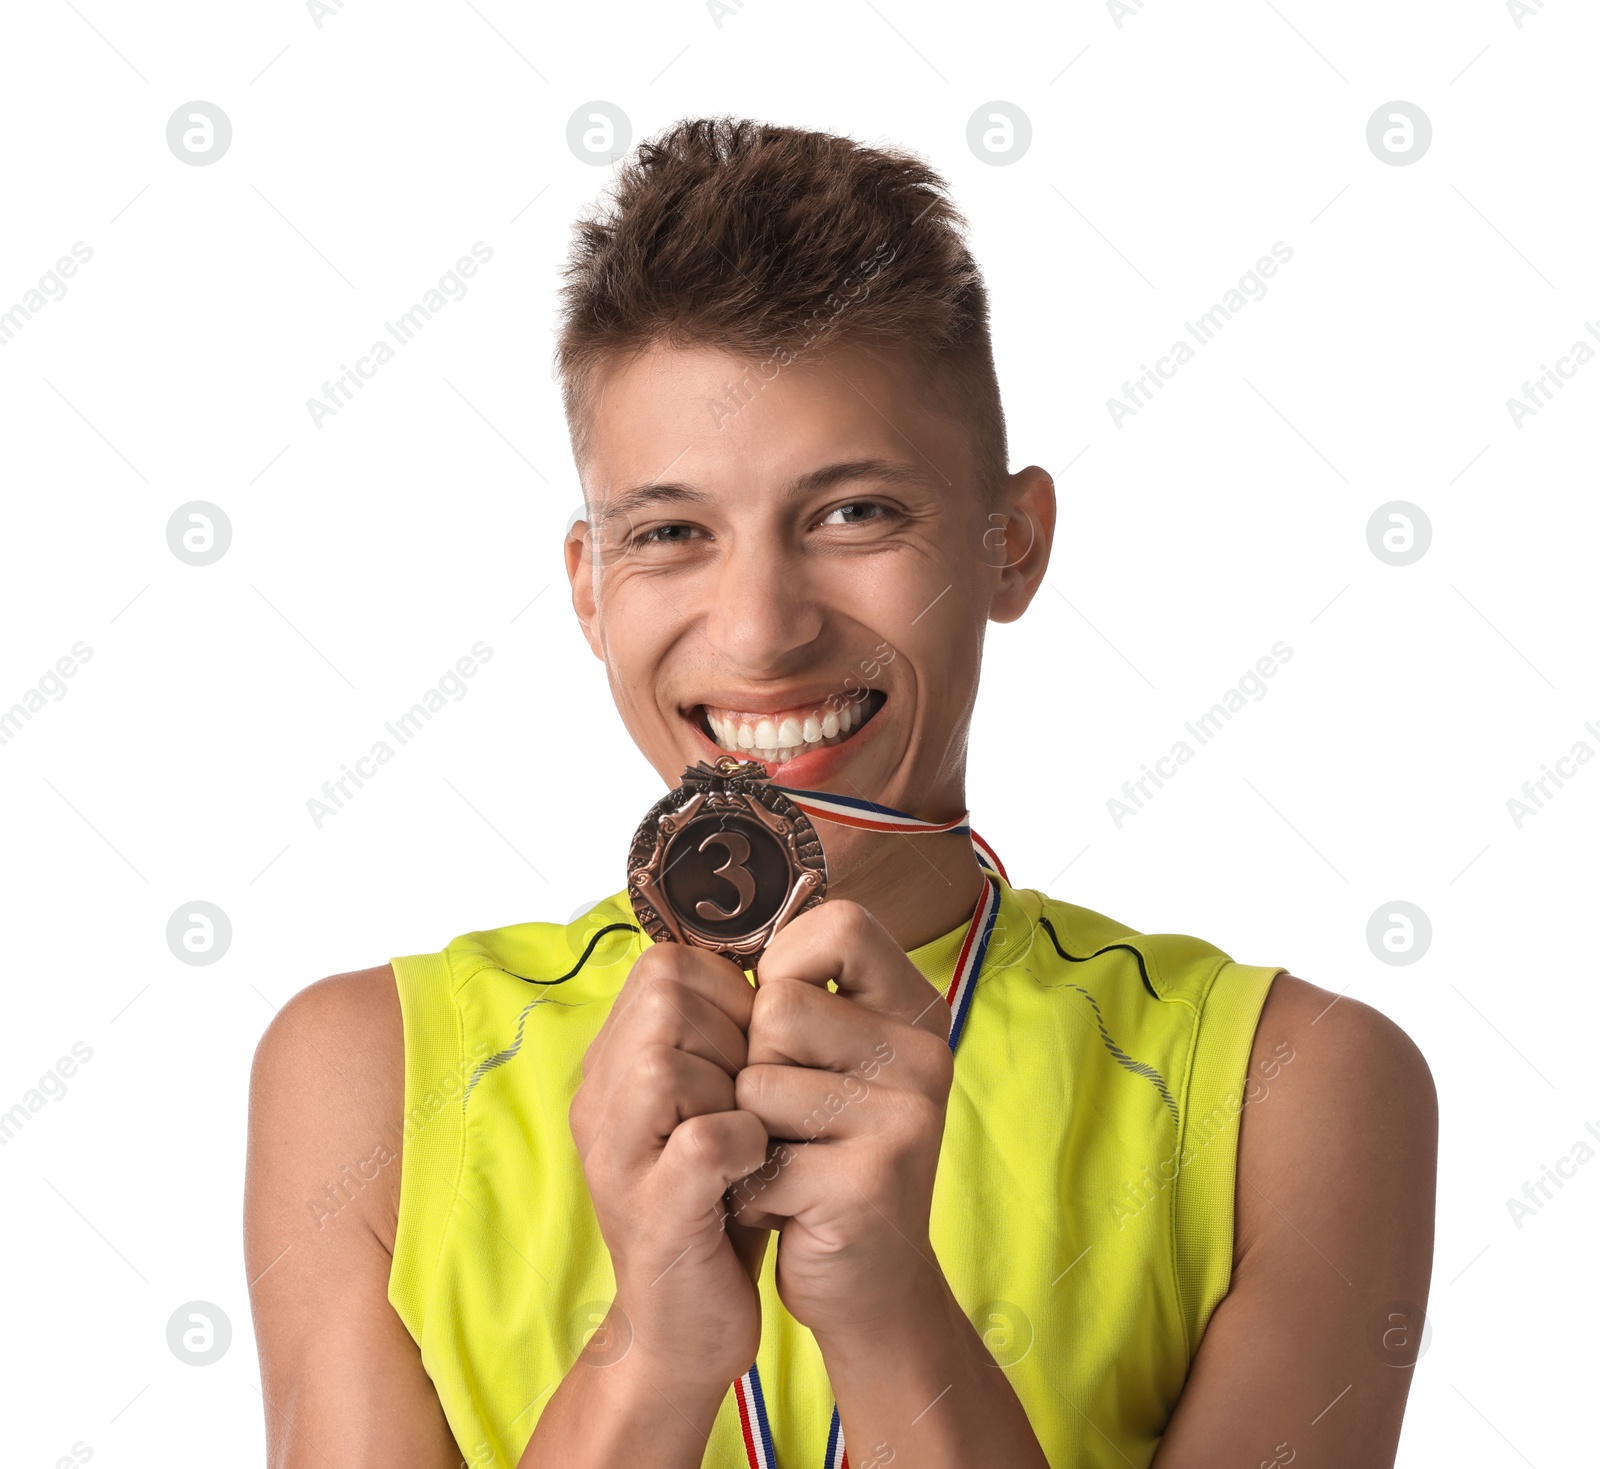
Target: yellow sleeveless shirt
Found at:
x=1082, y=1211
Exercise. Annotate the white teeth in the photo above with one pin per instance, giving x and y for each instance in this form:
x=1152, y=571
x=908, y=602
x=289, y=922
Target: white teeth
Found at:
x=777, y=739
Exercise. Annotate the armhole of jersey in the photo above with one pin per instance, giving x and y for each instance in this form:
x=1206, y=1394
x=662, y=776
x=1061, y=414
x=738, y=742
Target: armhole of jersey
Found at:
x=432, y=1133
x=1203, y=1194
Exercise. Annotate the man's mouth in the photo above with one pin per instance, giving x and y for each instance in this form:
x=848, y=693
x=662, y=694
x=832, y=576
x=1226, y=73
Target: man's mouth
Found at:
x=782, y=735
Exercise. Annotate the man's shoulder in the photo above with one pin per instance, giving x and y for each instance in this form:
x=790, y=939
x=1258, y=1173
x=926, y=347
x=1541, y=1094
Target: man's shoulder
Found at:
x=322, y=1184
x=354, y=996
x=1341, y=1084
x=1333, y=1238
x=1345, y=1052
x=327, y=1092
x=354, y=1016
x=1349, y=1029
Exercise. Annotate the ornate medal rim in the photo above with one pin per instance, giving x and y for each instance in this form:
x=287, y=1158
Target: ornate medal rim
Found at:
x=730, y=785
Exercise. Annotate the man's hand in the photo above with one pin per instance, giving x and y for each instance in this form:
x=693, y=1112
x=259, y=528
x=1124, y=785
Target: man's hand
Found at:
x=852, y=1088
x=660, y=1138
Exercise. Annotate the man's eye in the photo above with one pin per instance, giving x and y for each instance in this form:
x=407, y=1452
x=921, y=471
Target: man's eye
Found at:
x=664, y=535
x=857, y=512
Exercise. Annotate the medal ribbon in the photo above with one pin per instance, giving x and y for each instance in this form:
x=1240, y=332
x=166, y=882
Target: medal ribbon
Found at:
x=869, y=816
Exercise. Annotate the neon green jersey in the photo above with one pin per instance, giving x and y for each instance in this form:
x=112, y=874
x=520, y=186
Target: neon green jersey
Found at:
x=1082, y=1213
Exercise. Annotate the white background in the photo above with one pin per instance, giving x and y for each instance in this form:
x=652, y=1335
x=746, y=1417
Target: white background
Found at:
x=1168, y=154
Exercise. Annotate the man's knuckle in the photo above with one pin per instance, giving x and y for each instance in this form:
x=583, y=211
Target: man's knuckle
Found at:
x=663, y=1005
x=751, y=1088
x=850, y=920
x=655, y=1065
x=702, y=1139
x=656, y=960
x=777, y=1006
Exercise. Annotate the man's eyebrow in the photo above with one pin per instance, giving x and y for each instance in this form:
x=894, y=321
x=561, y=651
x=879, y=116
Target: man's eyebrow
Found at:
x=890, y=471
x=630, y=502
x=673, y=492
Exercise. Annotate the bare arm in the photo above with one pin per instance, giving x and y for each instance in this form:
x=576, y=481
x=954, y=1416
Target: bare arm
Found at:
x=1308, y=1358
x=342, y=1380
x=655, y=1123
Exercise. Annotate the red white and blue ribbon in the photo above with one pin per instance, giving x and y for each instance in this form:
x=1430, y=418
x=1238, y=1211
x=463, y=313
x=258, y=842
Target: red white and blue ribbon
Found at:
x=753, y=1421
x=964, y=978
x=986, y=854
x=867, y=815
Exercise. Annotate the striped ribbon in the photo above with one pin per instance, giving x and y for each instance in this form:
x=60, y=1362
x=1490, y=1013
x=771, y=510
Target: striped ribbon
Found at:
x=867, y=815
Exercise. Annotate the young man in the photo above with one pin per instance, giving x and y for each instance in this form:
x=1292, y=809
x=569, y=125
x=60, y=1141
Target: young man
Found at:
x=648, y=1212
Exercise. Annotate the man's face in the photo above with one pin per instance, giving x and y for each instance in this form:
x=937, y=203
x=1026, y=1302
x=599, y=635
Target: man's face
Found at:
x=797, y=574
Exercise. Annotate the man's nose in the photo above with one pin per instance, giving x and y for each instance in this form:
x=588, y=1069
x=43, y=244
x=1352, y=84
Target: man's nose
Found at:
x=765, y=612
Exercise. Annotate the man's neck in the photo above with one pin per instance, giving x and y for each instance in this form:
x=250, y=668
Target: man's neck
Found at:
x=918, y=887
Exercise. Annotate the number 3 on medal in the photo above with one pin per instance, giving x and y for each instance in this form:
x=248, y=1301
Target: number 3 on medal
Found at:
x=734, y=870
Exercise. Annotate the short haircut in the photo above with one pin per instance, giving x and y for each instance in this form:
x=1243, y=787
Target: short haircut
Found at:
x=763, y=240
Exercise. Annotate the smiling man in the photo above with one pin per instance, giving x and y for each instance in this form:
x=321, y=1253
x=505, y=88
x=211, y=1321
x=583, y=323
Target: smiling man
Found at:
x=963, y=1174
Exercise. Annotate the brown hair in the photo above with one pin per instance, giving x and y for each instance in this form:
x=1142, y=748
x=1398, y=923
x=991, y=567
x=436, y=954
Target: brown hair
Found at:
x=775, y=242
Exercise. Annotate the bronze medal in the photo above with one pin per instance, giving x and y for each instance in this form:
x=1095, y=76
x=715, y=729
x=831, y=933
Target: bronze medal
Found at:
x=724, y=861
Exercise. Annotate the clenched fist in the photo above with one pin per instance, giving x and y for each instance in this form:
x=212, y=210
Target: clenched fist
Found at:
x=851, y=1086
x=661, y=1136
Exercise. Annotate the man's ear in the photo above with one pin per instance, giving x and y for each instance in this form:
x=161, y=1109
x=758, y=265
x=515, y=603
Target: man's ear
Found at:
x=580, y=573
x=1024, y=520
